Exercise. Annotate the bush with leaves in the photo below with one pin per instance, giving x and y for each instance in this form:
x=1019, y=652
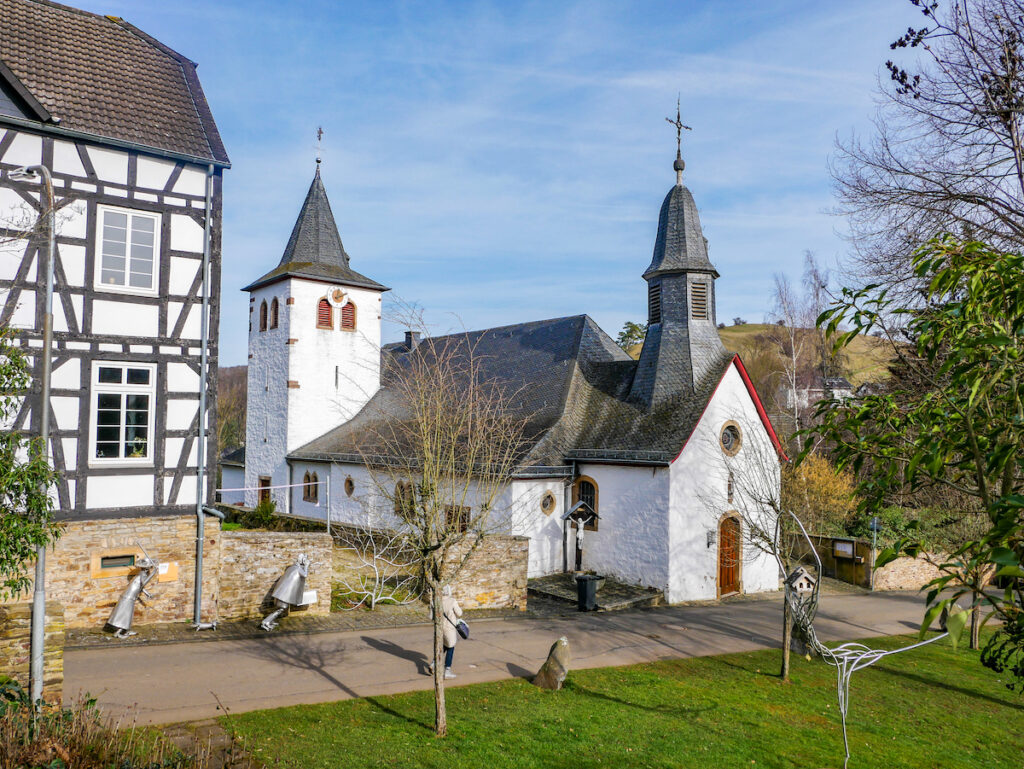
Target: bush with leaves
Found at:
x=963, y=426
x=26, y=507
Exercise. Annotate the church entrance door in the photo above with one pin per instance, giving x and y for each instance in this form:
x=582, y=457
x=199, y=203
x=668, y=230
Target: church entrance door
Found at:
x=728, y=556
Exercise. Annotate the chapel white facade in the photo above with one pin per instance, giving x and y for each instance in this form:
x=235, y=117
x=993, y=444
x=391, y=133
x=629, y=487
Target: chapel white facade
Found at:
x=674, y=452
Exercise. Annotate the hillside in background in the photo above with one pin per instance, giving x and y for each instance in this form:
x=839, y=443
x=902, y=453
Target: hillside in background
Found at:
x=869, y=358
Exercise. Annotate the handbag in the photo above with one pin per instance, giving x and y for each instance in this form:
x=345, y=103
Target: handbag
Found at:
x=460, y=627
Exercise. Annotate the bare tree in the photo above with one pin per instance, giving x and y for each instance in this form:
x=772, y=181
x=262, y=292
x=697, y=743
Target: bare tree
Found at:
x=947, y=152
x=442, y=447
x=380, y=567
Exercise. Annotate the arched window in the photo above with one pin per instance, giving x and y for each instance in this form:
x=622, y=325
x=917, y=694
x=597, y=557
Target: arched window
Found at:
x=324, y=314
x=314, y=489
x=273, y=313
x=585, y=490
x=263, y=315
x=348, y=317
x=305, y=487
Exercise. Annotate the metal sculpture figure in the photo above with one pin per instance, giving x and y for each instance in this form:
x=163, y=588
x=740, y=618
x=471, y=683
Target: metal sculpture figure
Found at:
x=288, y=591
x=846, y=658
x=124, y=612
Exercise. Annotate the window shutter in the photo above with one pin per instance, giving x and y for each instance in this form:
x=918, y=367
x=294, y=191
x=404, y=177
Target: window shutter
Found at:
x=699, y=301
x=348, y=317
x=324, y=314
x=654, y=303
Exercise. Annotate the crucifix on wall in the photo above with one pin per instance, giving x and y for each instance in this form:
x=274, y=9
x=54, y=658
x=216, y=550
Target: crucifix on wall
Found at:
x=582, y=515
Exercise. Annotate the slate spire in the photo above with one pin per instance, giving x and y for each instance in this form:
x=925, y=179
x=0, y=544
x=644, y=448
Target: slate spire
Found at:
x=682, y=347
x=315, y=237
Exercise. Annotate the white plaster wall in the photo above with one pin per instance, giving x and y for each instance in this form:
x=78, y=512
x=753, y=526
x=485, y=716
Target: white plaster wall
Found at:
x=116, y=318
x=110, y=165
x=232, y=478
x=525, y=518
x=699, y=497
x=631, y=543
x=152, y=173
x=337, y=371
x=267, y=398
x=186, y=234
x=120, y=491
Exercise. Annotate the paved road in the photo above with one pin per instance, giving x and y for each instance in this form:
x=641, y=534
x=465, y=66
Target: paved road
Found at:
x=183, y=682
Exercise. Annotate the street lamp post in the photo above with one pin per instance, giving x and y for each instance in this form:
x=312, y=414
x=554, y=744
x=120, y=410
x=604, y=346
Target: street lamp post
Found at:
x=39, y=592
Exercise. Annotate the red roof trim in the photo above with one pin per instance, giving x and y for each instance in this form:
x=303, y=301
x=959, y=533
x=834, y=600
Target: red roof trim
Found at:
x=757, y=404
x=760, y=408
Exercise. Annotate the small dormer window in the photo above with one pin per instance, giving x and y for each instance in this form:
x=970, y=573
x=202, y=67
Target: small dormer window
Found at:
x=654, y=303
x=699, y=301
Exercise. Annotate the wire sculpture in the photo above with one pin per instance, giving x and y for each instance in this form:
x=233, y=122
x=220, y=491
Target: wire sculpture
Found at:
x=846, y=658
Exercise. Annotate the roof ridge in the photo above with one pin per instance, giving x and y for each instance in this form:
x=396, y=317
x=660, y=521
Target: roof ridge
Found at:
x=512, y=325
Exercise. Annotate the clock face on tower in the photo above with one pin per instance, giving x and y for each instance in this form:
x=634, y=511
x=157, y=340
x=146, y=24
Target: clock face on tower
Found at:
x=337, y=297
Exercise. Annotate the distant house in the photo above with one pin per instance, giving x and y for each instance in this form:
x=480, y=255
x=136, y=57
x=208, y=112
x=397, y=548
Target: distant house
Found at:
x=121, y=122
x=652, y=446
x=818, y=389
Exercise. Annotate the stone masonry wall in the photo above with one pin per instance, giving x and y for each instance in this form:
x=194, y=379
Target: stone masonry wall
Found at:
x=251, y=562
x=88, y=592
x=495, y=575
x=15, y=646
x=905, y=574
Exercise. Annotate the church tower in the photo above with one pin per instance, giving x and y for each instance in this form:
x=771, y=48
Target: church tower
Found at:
x=314, y=345
x=682, y=343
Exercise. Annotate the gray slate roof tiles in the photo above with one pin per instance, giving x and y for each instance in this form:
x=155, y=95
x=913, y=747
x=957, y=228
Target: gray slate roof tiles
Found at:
x=101, y=76
x=680, y=245
x=314, y=249
x=572, y=381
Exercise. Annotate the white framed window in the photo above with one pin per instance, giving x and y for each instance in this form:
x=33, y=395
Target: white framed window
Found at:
x=127, y=250
x=123, y=396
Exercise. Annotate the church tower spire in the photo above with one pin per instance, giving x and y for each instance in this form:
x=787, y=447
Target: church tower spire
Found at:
x=682, y=345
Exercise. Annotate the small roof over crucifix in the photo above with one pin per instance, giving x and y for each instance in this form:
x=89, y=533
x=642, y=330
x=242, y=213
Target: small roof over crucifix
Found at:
x=679, y=165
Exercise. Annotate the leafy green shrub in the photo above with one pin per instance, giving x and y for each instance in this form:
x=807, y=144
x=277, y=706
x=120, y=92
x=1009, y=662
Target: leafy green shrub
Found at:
x=76, y=737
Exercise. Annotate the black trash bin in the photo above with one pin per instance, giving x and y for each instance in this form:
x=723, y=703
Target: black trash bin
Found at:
x=586, y=592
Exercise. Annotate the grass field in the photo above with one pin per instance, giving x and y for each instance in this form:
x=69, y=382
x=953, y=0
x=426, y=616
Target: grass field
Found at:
x=932, y=707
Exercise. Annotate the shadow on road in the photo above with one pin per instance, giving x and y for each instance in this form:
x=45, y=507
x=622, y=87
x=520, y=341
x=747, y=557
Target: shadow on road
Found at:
x=390, y=647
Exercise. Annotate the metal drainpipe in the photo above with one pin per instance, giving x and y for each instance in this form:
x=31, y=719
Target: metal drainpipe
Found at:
x=38, y=622
x=197, y=614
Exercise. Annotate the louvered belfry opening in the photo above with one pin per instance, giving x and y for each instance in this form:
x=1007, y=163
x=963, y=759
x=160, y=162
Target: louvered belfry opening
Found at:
x=699, y=301
x=654, y=303
x=263, y=315
x=324, y=314
x=348, y=317
x=273, y=313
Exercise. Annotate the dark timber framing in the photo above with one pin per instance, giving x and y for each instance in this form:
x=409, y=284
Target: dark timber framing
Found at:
x=79, y=341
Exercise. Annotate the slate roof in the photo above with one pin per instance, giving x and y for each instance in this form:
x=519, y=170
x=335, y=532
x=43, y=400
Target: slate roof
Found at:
x=573, y=382
x=233, y=458
x=101, y=76
x=314, y=249
x=680, y=245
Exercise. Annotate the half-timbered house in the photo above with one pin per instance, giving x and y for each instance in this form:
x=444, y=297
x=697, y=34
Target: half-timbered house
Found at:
x=122, y=123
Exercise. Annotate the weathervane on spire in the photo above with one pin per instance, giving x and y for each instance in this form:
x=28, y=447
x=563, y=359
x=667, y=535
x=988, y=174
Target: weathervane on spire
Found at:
x=679, y=165
x=319, y=137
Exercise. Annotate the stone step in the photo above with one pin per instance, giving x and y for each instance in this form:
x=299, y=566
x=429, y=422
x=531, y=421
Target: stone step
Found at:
x=611, y=596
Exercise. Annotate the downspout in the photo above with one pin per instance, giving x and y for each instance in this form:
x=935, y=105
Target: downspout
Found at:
x=197, y=614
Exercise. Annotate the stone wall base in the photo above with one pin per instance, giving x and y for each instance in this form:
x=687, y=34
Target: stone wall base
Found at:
x=15, y=646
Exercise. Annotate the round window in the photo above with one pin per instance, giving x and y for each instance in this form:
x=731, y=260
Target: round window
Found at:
x=547, y=503
x=350, y=486
x=731, y=438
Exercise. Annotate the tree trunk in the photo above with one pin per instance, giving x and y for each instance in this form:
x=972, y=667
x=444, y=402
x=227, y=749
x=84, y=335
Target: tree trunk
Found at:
x=787, y=639
x=975, y=627
x=440, y=712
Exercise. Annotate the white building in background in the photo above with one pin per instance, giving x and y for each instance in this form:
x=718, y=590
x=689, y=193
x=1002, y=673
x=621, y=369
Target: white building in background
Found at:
x=667, y=450
x=131, y=150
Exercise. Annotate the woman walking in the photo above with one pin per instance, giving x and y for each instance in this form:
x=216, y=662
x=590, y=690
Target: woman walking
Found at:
x=451, y=611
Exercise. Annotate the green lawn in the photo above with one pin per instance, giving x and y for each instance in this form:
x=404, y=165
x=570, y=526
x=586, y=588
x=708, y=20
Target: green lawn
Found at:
x=931, y=707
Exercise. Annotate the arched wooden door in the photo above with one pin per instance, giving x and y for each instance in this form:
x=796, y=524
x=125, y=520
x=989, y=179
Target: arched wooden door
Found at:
x=728, y=556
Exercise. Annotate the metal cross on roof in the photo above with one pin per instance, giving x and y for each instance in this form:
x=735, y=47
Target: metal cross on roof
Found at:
x=678, y=123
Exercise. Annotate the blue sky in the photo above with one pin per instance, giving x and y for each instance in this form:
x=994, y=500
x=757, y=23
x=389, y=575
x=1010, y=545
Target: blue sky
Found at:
x=503, y=162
